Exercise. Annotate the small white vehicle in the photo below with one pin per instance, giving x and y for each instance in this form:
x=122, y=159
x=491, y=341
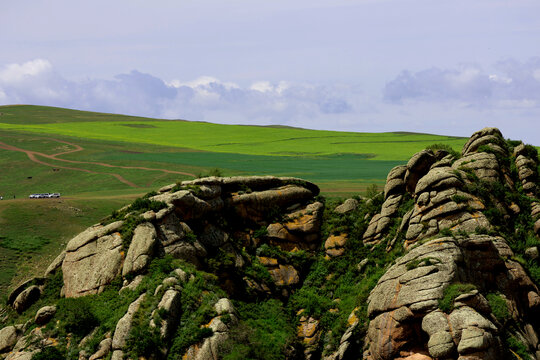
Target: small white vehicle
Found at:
x=44, y=196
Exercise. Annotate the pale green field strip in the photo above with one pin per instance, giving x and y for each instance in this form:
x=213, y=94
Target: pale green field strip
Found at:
x=250, y=140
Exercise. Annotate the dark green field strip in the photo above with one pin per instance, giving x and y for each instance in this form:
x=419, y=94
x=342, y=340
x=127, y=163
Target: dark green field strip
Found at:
x=34, y=114
x=332, y=167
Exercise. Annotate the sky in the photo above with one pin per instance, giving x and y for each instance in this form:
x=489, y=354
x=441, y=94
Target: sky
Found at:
x=449, y=67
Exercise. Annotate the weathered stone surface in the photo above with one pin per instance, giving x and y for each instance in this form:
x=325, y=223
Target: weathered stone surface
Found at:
x=19, y=289
x=141, y=249
x=209, y=349
x=417, y=167
x=441, y=344
x=224, y=306
x=255, y=205
x=170, y=303
x=213, y=237
x=334, y=244
x=485, y=165
x=334, y=241
x=123, y=327
x=395, y=183
x=347, y=206
x=56, y=264
x=483, y=137
x=307, y=220
x=417, y=284
x=473, y=339
x=254, y=183
x=91, y=234
x=26, y=298
x=171, y=230
x=285, y=275
x=79, y=266
x=532, y=252
x=300, y=229
x=104, y=348
x=437, y=179
x=187, y=205
x=44, y=314
x=8, y=338
x=21, y=355
x=391, y=205
x=308, y=332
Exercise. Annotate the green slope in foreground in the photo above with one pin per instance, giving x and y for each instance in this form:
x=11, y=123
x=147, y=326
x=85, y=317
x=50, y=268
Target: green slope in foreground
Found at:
x=248, y=140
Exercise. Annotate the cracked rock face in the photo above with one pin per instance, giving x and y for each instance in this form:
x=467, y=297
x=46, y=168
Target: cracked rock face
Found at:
x=193, y=224
x=406, y=299
x=405, y=311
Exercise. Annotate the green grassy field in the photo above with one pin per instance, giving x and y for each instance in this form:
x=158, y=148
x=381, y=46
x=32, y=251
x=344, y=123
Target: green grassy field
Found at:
x=251, y=140
x=94, y=150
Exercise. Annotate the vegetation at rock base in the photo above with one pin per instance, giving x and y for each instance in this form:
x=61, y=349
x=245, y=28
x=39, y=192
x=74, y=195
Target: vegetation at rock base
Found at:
x=265, y=332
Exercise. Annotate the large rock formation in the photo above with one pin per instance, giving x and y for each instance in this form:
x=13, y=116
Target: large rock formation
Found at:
x=412, y=312
x=448, y=254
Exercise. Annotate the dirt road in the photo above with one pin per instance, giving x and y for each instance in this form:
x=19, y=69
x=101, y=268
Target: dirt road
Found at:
x=33, y=156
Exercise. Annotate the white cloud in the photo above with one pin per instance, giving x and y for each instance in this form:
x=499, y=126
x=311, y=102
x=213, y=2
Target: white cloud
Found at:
x=536, y=74
x=204, y=98
x=514, y=83
x=14, y=73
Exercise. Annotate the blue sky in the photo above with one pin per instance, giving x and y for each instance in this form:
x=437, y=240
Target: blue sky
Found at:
x=360, y=65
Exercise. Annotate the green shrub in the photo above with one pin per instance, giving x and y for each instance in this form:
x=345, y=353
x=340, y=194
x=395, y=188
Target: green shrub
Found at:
x=445, y=232
x=76, y=315
x=422, y=262
x=261, y=232
x=212, y=172
x=49, y=353
x=263, y=333
x=127, y=229
x=372, y=191
x=517, y=348
x=499, y=308
x=144, y=204
x=451, y=292
x=445, y=147
x=143, y=341
x=458, y=199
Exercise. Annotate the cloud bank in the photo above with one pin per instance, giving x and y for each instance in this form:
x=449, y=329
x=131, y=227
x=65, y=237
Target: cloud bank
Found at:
x=205, y=98
x=511, y=84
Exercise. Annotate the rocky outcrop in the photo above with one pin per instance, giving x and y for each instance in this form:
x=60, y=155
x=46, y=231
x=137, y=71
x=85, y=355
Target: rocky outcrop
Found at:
x=335, y=245
x=123, y=328
x=347, y=206
x=44, y=314
x=100, y=249
x=308, y=330
x=407, y=298
x=26, y=298
x=412, y=312
x=8, y=338
x=299, y=229
x=185, y=229
x=140, y=250
x=209, y=349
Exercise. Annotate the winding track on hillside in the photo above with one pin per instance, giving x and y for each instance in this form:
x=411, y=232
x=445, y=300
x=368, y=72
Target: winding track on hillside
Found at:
x=32, y=155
